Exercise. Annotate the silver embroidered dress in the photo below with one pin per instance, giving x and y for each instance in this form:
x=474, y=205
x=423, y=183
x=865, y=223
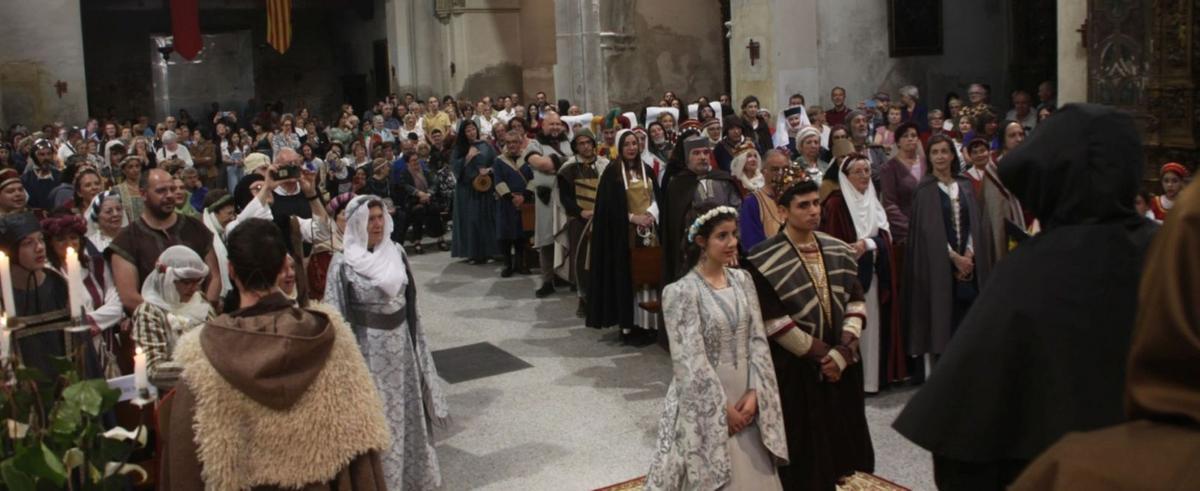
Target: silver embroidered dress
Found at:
x=400, y=361
x=718, y=351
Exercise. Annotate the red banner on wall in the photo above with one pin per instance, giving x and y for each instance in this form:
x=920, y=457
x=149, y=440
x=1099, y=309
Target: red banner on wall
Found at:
x=185, y=27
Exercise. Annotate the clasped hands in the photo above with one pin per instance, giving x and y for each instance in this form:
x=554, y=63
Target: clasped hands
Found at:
x=741, y=414
x=964, y=263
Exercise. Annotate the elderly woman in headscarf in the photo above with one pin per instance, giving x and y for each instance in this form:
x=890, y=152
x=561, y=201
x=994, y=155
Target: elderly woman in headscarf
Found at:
x=105, y=219
x=371, y=285
x=853, y=214
x=746, y=167
x=808, y=153
x=173, y=305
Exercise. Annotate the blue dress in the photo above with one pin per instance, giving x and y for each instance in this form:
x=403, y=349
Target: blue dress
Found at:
x=474, y=234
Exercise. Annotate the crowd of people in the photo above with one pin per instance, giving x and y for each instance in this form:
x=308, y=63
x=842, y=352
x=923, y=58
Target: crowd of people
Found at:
x=792, y=266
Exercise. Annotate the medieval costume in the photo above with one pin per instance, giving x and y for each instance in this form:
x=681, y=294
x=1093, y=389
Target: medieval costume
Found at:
x=578, y=181
x=650, y=158
x=164, y=317
x=788, y=125
x=323, y=250
x=1001, y=211
x=723, y=152
x=474, y=211
x=685, y=193
x=1162, y=204
x=1158, y=447
x=719, y=350
x=512, y=179
x=626, y=189
x=273, y=396
x=218, y=241
x=822, y=308
x=945, y=216
x=758, y=219
x=746, y=183
x=549, y=216
x=815, y=167
x=40, y=289
x=373, y=289
x=1049, y=334
x=850, y=216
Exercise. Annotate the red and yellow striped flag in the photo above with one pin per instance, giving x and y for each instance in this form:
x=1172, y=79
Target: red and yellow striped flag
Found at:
x=279, y=24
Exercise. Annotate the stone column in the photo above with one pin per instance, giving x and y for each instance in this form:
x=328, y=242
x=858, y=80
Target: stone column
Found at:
x=579, y=75
x=41, y=53
x=416, y=47
x=1072, y=54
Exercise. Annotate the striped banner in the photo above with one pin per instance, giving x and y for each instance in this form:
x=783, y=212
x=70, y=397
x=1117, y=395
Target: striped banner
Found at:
x=279, y=24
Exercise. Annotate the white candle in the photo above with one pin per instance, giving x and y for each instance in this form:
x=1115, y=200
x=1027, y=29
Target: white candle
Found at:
x=10, y=306
x=140, y=380
x=5, y=338
x=74, y=282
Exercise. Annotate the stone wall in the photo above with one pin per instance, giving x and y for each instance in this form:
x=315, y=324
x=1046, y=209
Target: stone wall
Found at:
x=812, y=46
x=40, y=46
x=627, y=53
x=672, y=45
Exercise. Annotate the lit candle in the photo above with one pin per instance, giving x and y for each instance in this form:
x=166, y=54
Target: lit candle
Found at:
x=74, y=283
x=140, y=380
x=5, y=338
x=10, y=306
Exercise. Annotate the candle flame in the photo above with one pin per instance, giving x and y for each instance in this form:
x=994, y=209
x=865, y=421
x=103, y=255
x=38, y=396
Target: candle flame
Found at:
x=138, y=350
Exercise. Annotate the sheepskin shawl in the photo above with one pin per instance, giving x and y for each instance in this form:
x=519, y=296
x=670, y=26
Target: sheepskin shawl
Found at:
x=242, y=444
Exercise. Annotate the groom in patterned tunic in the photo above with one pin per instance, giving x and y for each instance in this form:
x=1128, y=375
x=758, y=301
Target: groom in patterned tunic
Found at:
x=813, y=309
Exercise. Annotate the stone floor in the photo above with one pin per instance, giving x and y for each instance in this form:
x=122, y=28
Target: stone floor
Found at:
x=585, y=414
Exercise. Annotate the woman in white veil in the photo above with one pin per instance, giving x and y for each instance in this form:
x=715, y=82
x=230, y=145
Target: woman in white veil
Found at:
x=370, y=284
x=173, y=305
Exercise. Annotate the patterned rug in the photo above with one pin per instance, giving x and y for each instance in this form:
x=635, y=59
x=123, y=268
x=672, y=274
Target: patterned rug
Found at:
x=858, y=482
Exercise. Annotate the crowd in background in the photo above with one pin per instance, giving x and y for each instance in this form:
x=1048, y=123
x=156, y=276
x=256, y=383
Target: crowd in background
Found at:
x=911, y=187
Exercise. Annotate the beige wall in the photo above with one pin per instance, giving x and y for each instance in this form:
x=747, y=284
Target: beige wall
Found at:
x=676, y=45
x=41, y=43
x=1072, y=56
x=538, y=53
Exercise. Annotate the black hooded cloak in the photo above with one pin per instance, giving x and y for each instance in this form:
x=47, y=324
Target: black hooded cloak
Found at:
x=1042, y=351
x=610, y=278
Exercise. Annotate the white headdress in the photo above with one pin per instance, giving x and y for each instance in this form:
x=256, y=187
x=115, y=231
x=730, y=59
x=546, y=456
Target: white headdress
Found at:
x=177, y=263
x=383, y=265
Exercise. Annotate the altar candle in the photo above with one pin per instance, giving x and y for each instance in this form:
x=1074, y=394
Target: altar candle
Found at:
x=6, y=288
x=139, y=371
x=74, y=283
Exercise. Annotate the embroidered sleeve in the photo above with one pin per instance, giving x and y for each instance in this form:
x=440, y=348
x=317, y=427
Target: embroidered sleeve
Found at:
x=693, y=373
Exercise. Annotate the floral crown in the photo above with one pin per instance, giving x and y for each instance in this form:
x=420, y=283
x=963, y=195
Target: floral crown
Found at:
x=700, y=220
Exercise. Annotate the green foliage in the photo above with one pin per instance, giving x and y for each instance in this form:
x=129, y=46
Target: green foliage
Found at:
x=52, y=435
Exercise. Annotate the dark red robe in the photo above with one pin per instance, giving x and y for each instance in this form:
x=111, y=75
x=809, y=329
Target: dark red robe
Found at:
x=836, y=221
